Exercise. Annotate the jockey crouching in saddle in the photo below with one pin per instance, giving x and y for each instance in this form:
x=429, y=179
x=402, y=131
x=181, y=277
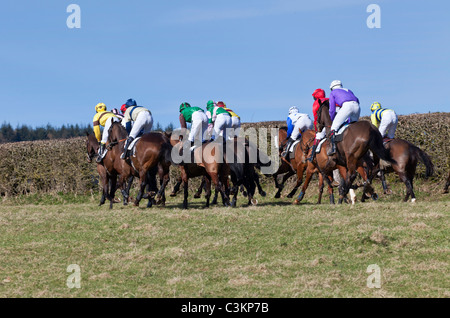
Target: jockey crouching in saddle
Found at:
x=218, y=120
x=385, y=120
x=235, y=119
x=105, y=119
x=344, y=107
x=143, y=122
x=297, y=123
x=198, y=120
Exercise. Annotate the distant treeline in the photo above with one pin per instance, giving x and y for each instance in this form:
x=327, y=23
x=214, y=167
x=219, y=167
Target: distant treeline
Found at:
x=28, y=133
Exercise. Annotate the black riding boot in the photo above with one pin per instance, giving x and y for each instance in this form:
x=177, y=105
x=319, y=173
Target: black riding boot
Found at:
x=101, y=151
x=332, y=151
x=125, y=153
x=288, y=145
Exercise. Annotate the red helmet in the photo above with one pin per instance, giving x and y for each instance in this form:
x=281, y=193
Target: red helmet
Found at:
x=123, y=108
x=318, y=93
x=221, y=104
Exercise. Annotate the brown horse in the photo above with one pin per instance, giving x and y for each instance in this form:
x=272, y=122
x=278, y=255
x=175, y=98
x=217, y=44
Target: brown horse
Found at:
x=299, y=163
x=323, y=163
x=357, y=139
x=406, y=157
x=152, y=156
x=109, y=169
x=205, y=162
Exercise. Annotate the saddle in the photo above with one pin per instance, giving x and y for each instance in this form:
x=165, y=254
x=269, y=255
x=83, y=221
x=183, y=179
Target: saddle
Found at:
x=340, y=133
x=387, y=140
x=293, y=148
x=132, y=147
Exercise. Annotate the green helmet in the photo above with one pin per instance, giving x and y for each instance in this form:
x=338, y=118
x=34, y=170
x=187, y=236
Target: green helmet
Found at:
x=184, y=106
x=210, y=104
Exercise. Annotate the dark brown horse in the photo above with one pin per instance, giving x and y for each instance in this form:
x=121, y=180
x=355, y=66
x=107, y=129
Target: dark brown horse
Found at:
x=323, y=163
x=205, y=163
x=152, y=156
x=109, y=169
x=357, y=139
x=285, y=168
x=406, y=157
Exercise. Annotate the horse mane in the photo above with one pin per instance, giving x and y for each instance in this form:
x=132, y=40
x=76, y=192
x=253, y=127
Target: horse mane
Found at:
x=325, y=104
x=284, y=128
x=122, y=130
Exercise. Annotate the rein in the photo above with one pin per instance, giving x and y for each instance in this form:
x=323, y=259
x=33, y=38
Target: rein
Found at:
x=115, y=143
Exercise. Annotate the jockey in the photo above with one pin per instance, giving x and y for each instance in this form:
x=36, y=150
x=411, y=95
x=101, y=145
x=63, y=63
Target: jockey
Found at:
x=297, y=123
x=384, y=119
x=218, y=119
x=117, y=112
x=143, y=121
x=105, y=119
x=344, y=107
x=235, y=119
x=319, y=98
x=198, y=119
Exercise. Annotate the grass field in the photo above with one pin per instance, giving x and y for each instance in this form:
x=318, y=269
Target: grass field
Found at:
x=272, y=250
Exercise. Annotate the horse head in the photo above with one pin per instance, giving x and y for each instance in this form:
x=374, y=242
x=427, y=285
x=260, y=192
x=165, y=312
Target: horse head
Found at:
x=91, y=146
x=117, y=133
x=323, y=115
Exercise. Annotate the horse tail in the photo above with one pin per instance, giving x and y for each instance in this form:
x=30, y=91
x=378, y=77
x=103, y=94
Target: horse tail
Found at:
x=377, y=147
x=425, y=158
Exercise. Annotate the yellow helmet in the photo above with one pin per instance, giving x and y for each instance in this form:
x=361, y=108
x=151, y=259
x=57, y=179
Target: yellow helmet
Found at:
x=375, y=106
x=100, y=107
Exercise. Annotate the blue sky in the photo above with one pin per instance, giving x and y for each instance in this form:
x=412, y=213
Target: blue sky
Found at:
x=259, y=56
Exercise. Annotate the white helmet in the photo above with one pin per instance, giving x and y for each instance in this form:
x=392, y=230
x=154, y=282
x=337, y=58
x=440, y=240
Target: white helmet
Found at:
x=293, y=109
x=336, y=84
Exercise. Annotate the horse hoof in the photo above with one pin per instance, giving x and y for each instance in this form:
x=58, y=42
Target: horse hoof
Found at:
x=388, y=192
x=413, y=200
x=290, y=196
x=296, y=202
x=173, y=194
x=254, y=202
x=375, y=197
x=277, y=196
x=197, y=196
x=263, y=194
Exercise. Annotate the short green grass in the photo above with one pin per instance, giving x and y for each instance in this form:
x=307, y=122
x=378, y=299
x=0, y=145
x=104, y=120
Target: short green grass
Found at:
x=275, y=249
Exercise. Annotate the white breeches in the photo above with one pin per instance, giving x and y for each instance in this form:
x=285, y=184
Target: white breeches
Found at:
x=388, y=124
x=144, y=121
x=302, y=124
x=108, y=124
x=199, y=126
x=223, y=121
x=349, y=110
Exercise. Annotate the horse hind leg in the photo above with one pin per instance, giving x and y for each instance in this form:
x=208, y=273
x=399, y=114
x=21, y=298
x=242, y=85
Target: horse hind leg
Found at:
x=198, y=194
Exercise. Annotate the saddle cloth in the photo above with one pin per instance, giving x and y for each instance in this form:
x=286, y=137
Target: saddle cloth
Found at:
x=340, y=132
x=319, y=146
x=292, y=148
x=132, y=147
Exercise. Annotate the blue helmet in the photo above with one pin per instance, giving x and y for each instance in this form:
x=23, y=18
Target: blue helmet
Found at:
x=131, y=102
